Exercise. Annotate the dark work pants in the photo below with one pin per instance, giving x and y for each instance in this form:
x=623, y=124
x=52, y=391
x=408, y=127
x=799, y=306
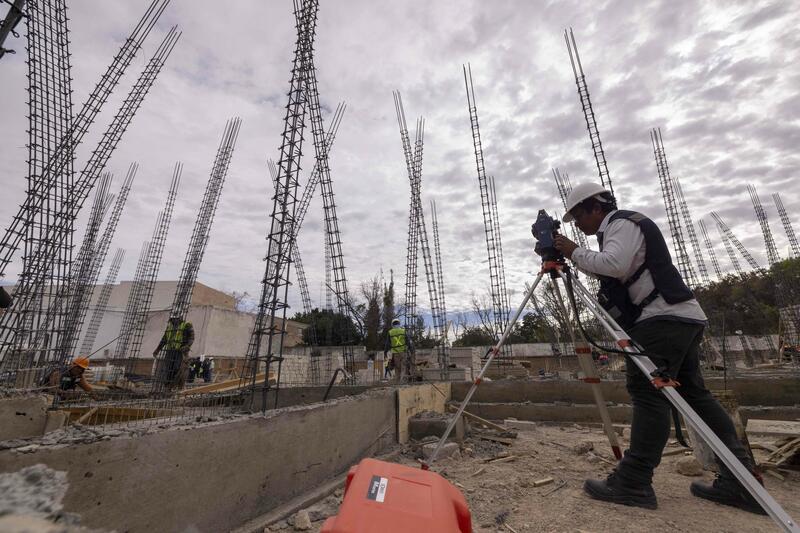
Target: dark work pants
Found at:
x=172, y=366
x=675, y=345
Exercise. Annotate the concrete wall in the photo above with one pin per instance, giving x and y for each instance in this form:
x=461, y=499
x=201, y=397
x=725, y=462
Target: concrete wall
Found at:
x=27, y=416
x=215, y=477
x=749, y=391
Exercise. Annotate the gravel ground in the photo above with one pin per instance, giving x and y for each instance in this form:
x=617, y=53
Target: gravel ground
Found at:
x=503, y=497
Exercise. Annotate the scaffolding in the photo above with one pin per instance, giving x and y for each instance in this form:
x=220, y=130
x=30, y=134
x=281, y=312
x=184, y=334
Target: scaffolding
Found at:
x=152, y=266
x=710, y=249
x=30, y=336
x=205, y=218
x=64, y=152
x=101, y=306
x=130, y=315
x=496, y=274
x=44, y=268
x=683, y=260
x=728, y=237
x=266, y=339
x=310, y=9
x=689, y=226
x=443, y=345
x=506, y=305
x=418, y=232
x=9, y=24
x=787, y=225
x=769, y=242
x=588, y=111
x=786, y=288
x=88, y=271
x=412, y=242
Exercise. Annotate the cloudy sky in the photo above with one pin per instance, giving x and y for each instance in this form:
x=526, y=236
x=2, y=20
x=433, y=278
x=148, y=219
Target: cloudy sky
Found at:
x=719, y=78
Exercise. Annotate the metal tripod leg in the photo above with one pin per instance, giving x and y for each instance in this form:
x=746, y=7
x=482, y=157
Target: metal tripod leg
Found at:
x=592, y=377
x=644, y=364
x=478, y=379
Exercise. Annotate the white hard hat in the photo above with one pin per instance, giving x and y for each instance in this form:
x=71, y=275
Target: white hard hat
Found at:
x=581, y=192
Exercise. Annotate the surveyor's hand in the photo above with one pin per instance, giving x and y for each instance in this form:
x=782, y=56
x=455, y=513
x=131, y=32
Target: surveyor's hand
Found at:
x=155, y=353
x=565, y=246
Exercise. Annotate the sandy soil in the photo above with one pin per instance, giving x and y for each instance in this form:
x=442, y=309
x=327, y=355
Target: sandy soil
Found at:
x=503, y=498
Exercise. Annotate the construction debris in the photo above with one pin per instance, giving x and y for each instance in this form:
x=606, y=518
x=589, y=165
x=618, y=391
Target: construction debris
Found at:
x=689, y=466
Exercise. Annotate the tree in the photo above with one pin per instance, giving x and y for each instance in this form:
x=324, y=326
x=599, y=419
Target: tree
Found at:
x=474, y=336
x=371, y=291
x=336, y=328
x=388, y=312
x=242, y=301
x=748, y=302
x=533, y=328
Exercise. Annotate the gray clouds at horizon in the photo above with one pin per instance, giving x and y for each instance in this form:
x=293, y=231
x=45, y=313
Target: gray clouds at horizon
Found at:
x=720, y=79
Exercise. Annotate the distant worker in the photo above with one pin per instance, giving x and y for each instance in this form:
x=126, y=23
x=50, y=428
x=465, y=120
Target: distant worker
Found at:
x=660, y=313
x=5, y=299
x=67, y=378
x=208, y=369
x=402, y=350
x=195, y=369
x=176, y=341
x=388, y=367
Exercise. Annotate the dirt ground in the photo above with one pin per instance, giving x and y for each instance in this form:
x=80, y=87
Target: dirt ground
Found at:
x=502, y=496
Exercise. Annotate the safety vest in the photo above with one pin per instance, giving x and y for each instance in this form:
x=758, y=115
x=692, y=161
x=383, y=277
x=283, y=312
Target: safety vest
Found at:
x=397, y=339
x=174, y=337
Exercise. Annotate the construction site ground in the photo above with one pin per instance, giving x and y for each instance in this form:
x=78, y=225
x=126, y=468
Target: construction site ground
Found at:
x=502, y=495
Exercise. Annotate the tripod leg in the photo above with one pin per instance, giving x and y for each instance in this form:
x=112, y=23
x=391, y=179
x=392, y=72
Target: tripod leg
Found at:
x=591, y=377
x=690, y=416
x=485, y=367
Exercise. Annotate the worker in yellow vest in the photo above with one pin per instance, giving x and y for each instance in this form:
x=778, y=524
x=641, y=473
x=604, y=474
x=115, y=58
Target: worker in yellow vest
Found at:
x=399, y=343
x=176, y=342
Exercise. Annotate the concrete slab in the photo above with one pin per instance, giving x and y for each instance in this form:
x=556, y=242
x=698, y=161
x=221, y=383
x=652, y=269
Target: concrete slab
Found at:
x=23, y=417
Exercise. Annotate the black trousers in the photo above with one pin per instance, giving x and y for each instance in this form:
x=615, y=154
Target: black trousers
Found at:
x=675, y=345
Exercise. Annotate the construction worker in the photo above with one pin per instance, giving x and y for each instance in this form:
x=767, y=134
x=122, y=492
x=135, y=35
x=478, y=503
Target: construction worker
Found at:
x=208, y=369
x=402, y=350
x=176, y=341
x=660, y=313
x=67, y=378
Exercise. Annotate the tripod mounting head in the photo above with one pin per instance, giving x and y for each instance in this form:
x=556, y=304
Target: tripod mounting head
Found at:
x=544, y=231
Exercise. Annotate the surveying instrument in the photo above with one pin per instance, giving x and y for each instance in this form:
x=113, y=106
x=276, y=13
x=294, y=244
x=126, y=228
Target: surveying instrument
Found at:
x=554, y=264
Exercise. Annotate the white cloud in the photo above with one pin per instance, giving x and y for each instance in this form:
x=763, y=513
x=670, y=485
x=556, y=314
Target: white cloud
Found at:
x=721, y=82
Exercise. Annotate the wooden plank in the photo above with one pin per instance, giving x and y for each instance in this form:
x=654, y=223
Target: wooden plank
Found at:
x=785, y=452
x=478, y=419
x=417, y=398
x=773, y=428
x=84, y=417
x=543, y=481
x=501, y=440
x=230, y=384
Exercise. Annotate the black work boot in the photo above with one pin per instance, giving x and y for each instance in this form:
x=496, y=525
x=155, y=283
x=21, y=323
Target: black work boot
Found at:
x=615, y=490
x=727, y=491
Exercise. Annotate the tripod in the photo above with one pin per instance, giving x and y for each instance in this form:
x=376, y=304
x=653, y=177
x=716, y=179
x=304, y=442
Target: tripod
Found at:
x=559, y=269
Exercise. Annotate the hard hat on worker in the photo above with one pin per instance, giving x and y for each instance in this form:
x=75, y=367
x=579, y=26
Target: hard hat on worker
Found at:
x=82, y=362
x=581, y=192
x=396, y=322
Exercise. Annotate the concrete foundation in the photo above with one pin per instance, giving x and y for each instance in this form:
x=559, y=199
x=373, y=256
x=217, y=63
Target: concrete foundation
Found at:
x=748, y=392
x=215, y=477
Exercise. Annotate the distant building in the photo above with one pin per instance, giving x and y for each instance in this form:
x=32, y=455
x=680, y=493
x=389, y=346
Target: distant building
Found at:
x=221, y=331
